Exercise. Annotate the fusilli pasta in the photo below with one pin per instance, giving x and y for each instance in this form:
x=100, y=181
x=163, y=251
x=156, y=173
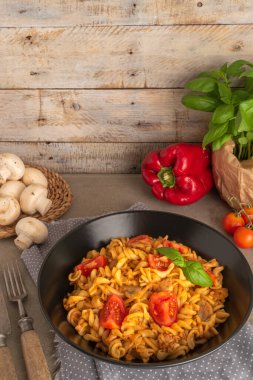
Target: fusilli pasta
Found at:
x=127, y=273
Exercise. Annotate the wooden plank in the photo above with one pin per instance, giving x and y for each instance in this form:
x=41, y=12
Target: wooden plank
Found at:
x=123, y=12
x=83, y=157
x=98, y=116
x=117, y=57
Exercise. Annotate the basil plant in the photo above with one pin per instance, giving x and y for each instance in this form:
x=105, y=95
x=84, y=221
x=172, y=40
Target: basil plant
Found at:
x=227, y=92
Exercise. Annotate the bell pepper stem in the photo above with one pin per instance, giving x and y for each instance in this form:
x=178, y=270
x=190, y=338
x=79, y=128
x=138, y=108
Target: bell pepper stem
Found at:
x=166, y=177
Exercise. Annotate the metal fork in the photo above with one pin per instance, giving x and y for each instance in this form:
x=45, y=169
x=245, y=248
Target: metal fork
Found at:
x=15, y=287
x=35, y=361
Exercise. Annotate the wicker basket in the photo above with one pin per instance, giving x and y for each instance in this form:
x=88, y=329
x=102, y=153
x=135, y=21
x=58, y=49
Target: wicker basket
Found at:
x=60, y=194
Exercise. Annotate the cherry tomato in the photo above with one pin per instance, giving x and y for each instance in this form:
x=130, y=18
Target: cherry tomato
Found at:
x=113, y=312
x=163, y=308
x=232, y=221
x=211, y=275
x=159, y=262
x=89, y=264
x=178, y=246
x=249, y=211
x=139, y=239
x=243, y=237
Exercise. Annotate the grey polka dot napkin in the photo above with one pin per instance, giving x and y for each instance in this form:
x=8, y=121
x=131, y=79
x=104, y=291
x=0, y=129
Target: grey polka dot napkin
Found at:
x=234, y=361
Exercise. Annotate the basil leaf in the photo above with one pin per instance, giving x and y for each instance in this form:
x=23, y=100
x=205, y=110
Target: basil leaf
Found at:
x=225, y=92
x=192, y=270
x=200, y=102
x=239, y=95
x=243, y=127
x=217, y=74
x=223, y=113
x=247, y=73
x=243, y=140
x=236, y=68
x=249, y=85
x=195, y=273
x=238, y=120
x=214, y=133
x=246, y=111
x=202, y=84
x=224, y=67
x=217, y=144
x=172, y=254
x=250, y=135
x=231, y=125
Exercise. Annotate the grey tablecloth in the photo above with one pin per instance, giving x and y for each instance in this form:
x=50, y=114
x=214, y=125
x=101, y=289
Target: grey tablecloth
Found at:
x=234, y=361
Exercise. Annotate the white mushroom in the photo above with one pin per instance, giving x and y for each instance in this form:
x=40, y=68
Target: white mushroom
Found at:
x=34, y=198
x=9, y=210
x=30, y=230
x=11, y=167
x=33, y=175
x=12, y=189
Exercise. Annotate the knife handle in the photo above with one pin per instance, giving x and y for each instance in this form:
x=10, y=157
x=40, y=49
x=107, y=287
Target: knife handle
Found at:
x=35, y=361
x=7, y=369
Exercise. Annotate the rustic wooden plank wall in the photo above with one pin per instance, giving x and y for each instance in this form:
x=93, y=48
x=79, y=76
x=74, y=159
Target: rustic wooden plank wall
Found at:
x=93, y=85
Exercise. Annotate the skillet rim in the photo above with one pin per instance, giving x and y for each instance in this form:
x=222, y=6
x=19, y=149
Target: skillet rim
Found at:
x=161, y=364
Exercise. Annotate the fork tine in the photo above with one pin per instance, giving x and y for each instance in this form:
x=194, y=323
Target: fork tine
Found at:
x=21, y=280
x=6, y=284
x=11, y=280
x=16, y=279
x=15, y=287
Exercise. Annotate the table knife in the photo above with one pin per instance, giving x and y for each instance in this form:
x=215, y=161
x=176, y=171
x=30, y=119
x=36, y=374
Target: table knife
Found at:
x=7, y=369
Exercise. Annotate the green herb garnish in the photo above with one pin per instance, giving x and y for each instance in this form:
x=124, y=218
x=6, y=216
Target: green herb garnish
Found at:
x=227, y=92
x=192, y=270
x=173, y=255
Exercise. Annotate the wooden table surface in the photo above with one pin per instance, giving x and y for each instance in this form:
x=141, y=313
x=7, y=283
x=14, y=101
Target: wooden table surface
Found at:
x=95, y=194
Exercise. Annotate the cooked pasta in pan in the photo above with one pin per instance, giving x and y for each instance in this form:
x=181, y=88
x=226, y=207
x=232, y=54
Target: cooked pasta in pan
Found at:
x=146, y=299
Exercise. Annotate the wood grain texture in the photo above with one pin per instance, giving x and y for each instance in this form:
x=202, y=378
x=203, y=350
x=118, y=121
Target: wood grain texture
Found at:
x=91, y=86
x=98, y=116
x=83, y=157
x=34, y=357
x=117, y=57
x=7, y=368
x=124, y=12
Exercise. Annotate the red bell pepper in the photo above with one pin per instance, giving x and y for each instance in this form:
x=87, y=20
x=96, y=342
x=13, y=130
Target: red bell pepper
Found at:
x=179, y=174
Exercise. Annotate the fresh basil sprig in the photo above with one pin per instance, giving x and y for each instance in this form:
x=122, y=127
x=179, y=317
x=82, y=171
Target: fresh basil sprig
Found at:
x=192, y=270
x=173, y=255
x=195, y=273
x=217, y=91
